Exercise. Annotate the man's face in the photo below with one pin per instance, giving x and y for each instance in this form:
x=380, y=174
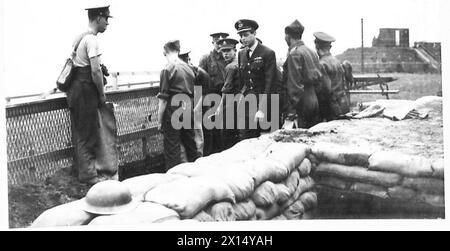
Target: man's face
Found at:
x=214, y=42
x=288, y=39
x=102, y=24
x=248, y=38
x=228, y=54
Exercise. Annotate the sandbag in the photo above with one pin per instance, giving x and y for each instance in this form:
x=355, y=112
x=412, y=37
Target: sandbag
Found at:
x=333, y=182
x=292, y=181
x=425, y=185
x=240, y=182
x=265, y=195
x=309, y=200
x=222, y=211
x=394, y=162
x=263, y=214
x=401, y=193
x=359, y=174
x=438, y=168
x=283, y=193
x=294, y=211
x=140, y=185
x=203, y=217
x=433, y=200
x=66, y=215
x=244, y=210
x=144, y=214
x=265, y=169
x=305, y=185
x=348, y=156
x=290, y=155
x=377, y=191
x=189, y=196
x=305, y=168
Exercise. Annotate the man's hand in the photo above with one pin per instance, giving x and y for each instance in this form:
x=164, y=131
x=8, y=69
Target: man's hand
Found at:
x=259, y=116
x=102, y=100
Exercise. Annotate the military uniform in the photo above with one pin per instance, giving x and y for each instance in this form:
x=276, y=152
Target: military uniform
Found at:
x=214, y=65
x=257, y=72
x=231, y=86
x=177, y=78
x=333, y=99
x=302, y=77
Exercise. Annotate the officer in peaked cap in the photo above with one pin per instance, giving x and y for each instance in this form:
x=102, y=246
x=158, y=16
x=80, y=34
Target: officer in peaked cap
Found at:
x=333, y=99
x=258, y=72
x=86, y=99
x=227, y=44
x=101, y=11
x=302, y=77
x=219, y=35
x=244, y=25
x=231, y=86
x=324, y=39
x=214, y=64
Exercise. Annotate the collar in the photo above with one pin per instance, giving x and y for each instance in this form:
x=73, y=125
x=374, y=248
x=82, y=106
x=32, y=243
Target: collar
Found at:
x=216, y=54
x=296, y=44
x=253, y=48
x=328, y=54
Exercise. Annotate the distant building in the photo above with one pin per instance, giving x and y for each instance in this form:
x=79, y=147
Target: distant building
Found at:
x=392, y=37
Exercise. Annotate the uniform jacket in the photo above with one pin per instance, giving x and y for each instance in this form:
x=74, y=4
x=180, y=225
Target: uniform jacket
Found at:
x=260, y=71
x=214, y=65
x=301, y=70
x=232, y=84
x=334, y=75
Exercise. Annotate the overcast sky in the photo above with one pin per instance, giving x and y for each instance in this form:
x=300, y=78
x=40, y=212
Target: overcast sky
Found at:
x=37, y=34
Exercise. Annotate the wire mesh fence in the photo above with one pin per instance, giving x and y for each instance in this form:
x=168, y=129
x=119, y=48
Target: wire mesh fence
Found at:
x=39, y=135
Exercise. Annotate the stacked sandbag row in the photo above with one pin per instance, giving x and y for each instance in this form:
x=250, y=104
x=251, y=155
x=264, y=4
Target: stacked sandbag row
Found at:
x=387, y=175
x=278, y=187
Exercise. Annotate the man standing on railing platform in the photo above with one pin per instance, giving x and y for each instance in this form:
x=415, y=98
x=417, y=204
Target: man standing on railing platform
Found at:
x=93, y=123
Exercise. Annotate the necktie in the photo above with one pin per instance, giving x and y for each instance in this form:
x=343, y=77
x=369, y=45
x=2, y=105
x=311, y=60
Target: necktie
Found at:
x=248, y=54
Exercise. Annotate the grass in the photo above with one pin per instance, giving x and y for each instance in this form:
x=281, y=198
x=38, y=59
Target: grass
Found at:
x=411, y=87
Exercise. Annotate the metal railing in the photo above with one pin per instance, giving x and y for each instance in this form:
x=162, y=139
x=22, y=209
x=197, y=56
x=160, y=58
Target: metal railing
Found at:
x=39, y=135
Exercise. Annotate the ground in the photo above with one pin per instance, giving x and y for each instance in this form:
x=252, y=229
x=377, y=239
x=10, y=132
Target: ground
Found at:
x=27, y=202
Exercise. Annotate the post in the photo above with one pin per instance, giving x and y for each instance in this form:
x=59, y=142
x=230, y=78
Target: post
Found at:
x=362, y=45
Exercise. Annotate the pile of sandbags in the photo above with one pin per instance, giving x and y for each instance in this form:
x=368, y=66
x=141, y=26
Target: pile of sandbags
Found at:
x=276, y=185
x=257, y=179
x=386, y=175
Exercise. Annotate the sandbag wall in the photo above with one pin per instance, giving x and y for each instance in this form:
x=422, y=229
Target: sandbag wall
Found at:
x=391, y=176
x=257, y=179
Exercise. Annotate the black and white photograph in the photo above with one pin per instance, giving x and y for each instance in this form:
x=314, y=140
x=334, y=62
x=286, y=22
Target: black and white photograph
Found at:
x=134, y=114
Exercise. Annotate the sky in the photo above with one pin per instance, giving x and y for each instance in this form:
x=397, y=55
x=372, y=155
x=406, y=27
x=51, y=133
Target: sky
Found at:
x=37, y=35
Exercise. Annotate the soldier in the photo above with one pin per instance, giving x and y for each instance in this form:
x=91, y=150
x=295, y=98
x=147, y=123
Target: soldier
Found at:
x=86, y=100
x=257, y=72
x=301, y=76
x=214, y=65
x=201, y=79
x=176, y=78
x=231, y=86
x=333, y=96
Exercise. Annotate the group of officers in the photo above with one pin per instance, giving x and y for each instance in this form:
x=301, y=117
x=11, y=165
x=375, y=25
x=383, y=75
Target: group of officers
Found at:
x=312, y=88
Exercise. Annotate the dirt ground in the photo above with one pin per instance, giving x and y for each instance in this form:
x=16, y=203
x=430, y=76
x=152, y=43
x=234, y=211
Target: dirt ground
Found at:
x=411, y=136
x=421, y=137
